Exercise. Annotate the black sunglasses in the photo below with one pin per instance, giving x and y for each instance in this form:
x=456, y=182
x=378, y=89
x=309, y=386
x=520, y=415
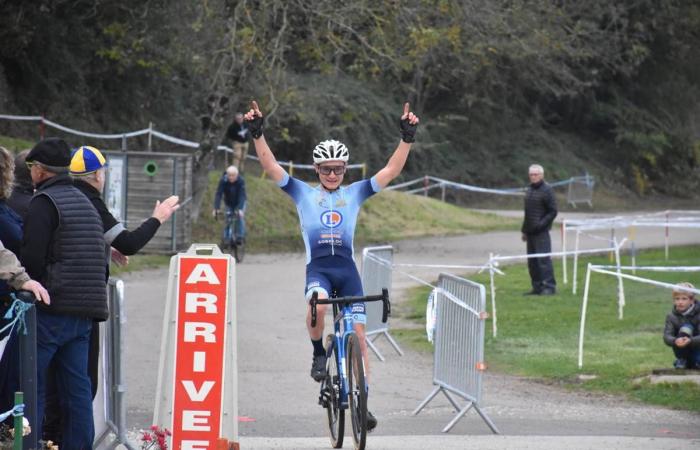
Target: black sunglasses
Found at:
x=326, y=170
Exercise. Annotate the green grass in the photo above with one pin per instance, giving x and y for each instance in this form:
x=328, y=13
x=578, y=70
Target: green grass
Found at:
x=538, y=336
x=140, y=262
x=273, y=225
x=15, y=145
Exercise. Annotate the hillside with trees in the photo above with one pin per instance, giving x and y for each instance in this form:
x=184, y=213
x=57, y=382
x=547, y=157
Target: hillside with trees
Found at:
x=608, y=87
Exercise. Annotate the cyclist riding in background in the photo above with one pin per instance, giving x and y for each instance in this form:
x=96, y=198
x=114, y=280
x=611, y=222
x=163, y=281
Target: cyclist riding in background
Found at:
x=328, y=214
x=232, y=188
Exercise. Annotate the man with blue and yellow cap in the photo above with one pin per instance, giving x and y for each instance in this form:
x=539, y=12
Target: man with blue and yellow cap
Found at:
x=87, y=167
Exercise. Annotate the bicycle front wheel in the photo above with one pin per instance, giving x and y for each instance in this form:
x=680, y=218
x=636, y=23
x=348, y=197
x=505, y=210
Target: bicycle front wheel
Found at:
x=239, y=252
x=357, y=392
x=336, y=415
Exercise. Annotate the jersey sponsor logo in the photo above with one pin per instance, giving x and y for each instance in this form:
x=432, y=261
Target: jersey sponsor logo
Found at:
x=331, y=218
x=358, y=309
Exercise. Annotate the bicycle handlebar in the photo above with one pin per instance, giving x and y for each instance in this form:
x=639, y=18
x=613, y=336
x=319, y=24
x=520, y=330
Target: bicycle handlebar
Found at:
x=383, y=297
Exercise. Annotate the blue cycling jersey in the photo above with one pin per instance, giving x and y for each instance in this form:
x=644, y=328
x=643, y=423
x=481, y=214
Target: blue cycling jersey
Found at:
x=328, y=218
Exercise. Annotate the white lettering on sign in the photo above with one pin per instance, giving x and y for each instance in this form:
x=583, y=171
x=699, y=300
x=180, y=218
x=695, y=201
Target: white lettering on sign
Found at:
x=194, y=300
x=195, y=420
x=203, y=329
x=197, y=395
x=195, y=445
x=199, y=362
x=202, y=272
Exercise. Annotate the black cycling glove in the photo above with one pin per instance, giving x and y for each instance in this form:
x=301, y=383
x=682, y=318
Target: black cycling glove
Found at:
x=255, y=126
x=408, y=131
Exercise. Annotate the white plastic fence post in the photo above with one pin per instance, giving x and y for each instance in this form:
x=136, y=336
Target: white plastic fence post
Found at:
x=584, y=307
x=563, y=249
x=574, y=269
x=666, y=239
x=633, y=249
x=494, y=326
x=620, y=285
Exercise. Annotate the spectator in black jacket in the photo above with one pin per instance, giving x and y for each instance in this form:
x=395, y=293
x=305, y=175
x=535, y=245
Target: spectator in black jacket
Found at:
x=682, y=330
x=63, y=247
x=540, y=211
x=88, y=171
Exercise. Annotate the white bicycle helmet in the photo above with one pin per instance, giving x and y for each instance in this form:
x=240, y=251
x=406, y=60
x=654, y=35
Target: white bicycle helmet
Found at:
x=331, y=150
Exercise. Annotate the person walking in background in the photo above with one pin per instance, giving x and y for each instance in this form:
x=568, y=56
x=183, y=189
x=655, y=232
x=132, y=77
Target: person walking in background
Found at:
x=23, y=189
x=63, y=247
x=232, y=189
x=682, y=328
x=540, y=211
x=239, y=136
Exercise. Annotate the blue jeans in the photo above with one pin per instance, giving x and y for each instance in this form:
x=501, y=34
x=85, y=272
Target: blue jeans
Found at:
x=239, y=224
x=65, y=340
x=692, y=355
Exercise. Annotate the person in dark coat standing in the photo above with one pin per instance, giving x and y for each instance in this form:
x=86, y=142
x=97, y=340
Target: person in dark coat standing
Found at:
x=88, y=169
x=23, y=189
x=540, y=211
x=63, y=247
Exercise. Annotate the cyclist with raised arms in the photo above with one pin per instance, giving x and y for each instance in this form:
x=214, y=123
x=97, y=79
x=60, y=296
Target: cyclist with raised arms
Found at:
x=328, y=214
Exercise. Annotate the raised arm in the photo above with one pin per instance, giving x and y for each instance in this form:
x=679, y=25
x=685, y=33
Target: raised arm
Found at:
x=407, y=125
x=272, y=168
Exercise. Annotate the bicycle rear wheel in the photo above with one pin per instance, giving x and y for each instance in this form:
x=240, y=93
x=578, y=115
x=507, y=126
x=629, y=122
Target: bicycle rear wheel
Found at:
x=336, y=415
x=357, y=392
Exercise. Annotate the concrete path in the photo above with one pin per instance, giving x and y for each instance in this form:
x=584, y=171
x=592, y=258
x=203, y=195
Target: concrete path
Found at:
x=278, y=400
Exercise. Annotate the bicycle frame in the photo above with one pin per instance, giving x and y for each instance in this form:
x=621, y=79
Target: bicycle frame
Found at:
x=230, y=227
x=343, y=325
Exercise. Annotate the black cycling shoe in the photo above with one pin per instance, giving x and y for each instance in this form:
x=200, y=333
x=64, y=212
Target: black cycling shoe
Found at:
x=371, y=421
x=318, y=368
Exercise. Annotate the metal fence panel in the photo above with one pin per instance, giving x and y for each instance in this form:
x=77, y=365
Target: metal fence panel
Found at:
x=580, y=190
x=113, y=378
x=376, y=275
x=459, y=345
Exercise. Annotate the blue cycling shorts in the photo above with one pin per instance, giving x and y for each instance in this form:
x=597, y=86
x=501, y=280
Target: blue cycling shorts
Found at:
x=336, y=273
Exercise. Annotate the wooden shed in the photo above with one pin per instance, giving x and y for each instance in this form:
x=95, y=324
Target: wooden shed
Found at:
x=136, y=180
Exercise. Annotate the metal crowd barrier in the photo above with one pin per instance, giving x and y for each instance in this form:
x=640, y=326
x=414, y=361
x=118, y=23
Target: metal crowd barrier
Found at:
x=580, y=190
x=113, y=374
x=459, y=346
x=376, y=275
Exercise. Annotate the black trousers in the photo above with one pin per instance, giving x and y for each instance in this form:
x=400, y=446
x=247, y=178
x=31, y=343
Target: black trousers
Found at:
x=541, y=271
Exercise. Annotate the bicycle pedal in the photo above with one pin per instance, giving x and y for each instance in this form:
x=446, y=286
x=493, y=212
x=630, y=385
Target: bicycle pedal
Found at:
x=324, y=399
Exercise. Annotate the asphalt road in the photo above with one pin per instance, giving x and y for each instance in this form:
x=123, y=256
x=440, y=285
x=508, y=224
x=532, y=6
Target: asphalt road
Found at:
x=278, y=400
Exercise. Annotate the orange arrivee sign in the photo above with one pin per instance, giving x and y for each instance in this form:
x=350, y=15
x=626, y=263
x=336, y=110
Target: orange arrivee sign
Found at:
x=200, y=345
